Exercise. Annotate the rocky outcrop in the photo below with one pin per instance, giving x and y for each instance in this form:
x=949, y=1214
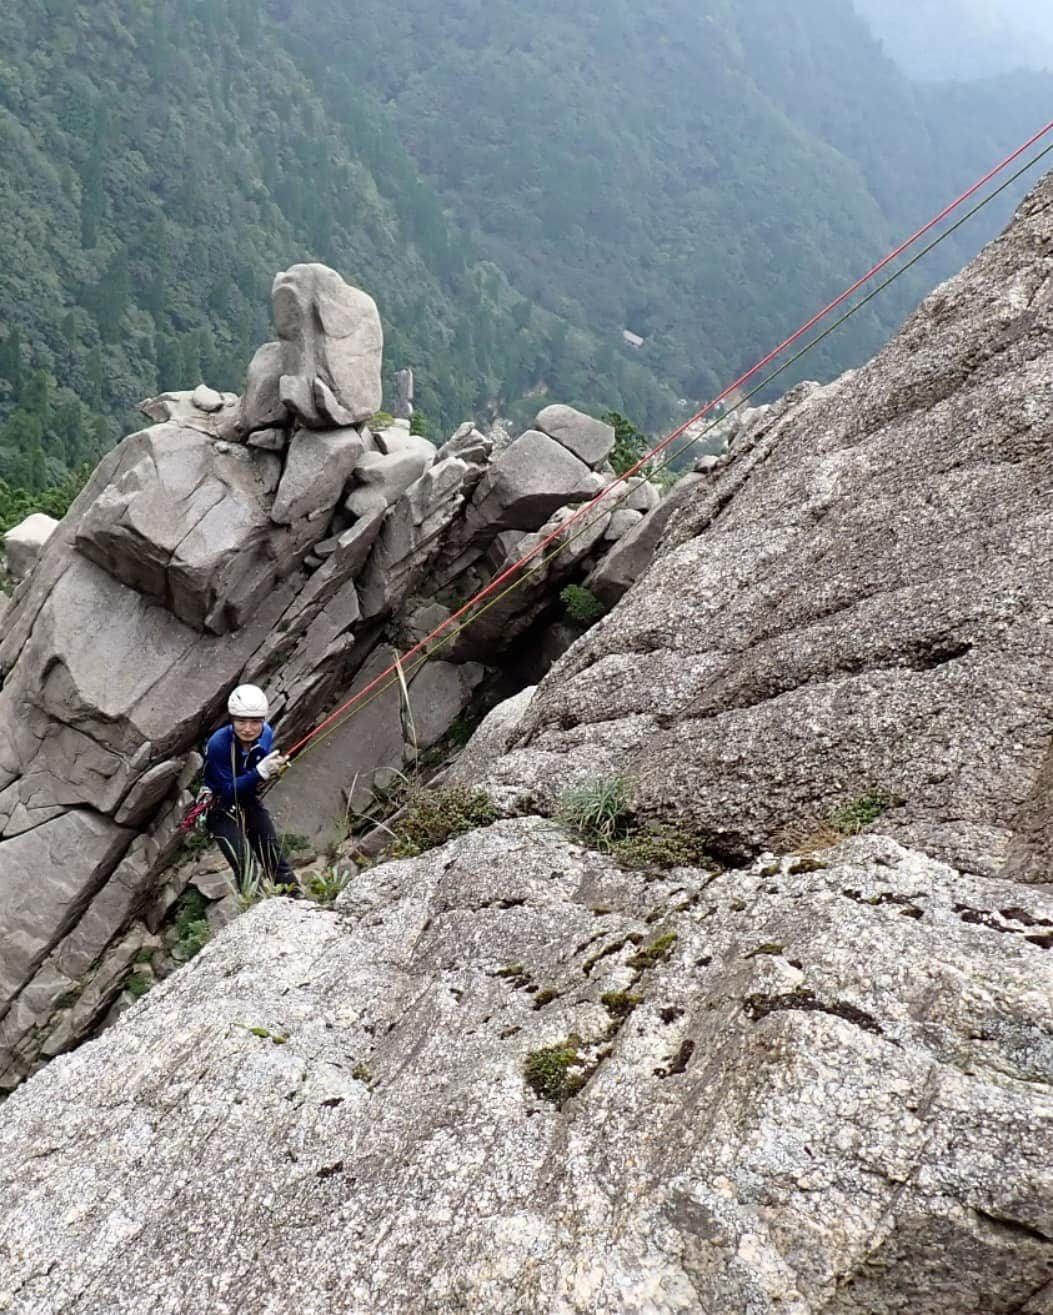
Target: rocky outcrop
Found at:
x=270, y=538
x=331, y=348
x=856, y=606
x=554, y=1084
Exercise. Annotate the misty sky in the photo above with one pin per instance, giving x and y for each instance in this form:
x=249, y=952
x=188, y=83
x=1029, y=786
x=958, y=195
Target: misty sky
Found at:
x=963, y=38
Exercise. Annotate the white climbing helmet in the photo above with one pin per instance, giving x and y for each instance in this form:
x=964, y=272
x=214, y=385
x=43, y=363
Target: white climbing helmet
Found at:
x=248, y=701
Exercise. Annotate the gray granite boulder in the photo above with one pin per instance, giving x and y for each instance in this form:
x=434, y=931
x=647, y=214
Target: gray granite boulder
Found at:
x=526, y=483
x=590, y=440
x=317, y=467
x=261, y=406
x=24, y=542
x=185, y=524
x=332, y=346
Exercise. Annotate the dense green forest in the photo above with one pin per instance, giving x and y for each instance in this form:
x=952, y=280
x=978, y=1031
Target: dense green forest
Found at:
x=516, y=184
x=702, y=172
x=143, y=229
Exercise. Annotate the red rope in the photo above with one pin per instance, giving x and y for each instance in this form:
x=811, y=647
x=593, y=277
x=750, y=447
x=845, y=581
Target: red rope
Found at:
x=678, y=432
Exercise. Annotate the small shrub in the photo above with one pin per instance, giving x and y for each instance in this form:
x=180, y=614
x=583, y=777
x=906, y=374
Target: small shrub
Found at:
x=381, y=420
x=548, y=1071
x=854, y=816
x=660, y=846
x=545, y=997
x=191, y=925
x=581, y=605
x=420, y=425
x=293, y=842
x=324, y=887
x=435, y=816
x=137, y=984
x=597, y=811
x=620, y=1004
x=655, y=952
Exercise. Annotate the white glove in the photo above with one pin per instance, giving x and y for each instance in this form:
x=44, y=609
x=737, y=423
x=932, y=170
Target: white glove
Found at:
x=273, y=765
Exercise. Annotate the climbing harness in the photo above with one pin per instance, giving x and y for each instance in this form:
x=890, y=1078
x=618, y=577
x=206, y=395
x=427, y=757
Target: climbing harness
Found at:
x=425, y=650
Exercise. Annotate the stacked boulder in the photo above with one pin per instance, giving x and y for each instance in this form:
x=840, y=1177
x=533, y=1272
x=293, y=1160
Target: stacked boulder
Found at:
x=273, y=537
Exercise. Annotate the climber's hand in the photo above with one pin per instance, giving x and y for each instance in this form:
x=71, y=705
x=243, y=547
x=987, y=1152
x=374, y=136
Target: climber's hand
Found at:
x=272, y=766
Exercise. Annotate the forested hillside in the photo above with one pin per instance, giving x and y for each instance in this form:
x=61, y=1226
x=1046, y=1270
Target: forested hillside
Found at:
x=159, y=163
x=516, y=183
x=699, y=171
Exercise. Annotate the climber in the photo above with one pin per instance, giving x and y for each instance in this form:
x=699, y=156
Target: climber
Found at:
x=239, y=758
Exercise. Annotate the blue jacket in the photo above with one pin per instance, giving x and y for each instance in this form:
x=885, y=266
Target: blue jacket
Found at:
x=230, y=769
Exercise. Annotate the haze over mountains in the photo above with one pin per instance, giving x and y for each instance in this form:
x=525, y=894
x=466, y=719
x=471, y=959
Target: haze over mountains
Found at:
x=515, y=185
x=963, y=38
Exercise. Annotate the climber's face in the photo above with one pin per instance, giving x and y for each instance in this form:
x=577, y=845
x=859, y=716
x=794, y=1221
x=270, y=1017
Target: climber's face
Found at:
x=248, y=729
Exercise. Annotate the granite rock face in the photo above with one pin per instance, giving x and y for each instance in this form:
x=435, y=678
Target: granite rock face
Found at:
x=190, y=563
x=857, y=605
x=751, y=1123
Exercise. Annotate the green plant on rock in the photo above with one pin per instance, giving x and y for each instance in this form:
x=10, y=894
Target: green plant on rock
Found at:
x=620, y=1004
x=324, y=887
x=655, y=952
x=581, y=605
x=381, y=420
x=550, y=1071
x=596, y=811
x=137, y=984
x=192, y=930
x=661, y=846
x=433, y=817
x=854, y=816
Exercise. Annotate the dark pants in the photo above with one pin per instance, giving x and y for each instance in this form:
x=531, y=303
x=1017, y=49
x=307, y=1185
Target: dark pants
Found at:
x=250, y=828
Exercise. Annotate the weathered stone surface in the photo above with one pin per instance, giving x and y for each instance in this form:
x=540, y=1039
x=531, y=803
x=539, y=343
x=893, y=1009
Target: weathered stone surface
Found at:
x=24, y=543
x=79, y=848
x=261, y=407
x=769, y=1130
x=184, y=524
x=390, y=473
x=858, y=602
x=469, y=444
x=496, y=732
x=622, y=521
x=634, y=551
x=403, y=394
x=411, y=536
x=318, y=465
x=527, y=482
x=589, y=439
x=332, y=347
x=203, y=409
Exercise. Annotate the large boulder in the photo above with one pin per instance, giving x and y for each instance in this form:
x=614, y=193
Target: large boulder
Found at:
x=526, y=483
x=332, y=346
x=590, y=440
x=522, y=1078
x=318, y=465
x=24, y=543
x=186, y=524
x=261, y=406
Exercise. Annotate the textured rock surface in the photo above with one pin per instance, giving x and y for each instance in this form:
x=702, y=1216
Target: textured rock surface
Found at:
x=861, y=599
x=328, y=1113
x=24, y=543
x=332, y=348
x=193, y=561
x=589, y=439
